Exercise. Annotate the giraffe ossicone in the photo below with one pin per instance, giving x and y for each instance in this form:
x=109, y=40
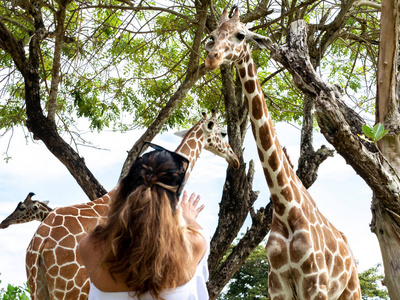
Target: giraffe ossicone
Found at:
x=53, y=265
x=308, y=257
x=27, y=211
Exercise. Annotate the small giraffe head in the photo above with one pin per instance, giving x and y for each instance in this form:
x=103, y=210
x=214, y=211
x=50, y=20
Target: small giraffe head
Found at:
x=27, y=211
x=229, y=42
x=211, y=136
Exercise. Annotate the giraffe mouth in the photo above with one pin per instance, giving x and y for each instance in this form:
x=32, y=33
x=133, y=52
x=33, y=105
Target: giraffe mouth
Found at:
x=233, y=161
x=3, y=226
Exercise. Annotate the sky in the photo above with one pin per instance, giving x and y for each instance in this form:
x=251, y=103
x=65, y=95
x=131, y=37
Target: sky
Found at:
x=341, y=195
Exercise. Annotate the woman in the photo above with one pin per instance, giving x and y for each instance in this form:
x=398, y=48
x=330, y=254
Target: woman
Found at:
x=149, y=247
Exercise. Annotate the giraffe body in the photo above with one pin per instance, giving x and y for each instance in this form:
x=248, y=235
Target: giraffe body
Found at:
x=54, y=268
x=308, y=257
x=27, y=211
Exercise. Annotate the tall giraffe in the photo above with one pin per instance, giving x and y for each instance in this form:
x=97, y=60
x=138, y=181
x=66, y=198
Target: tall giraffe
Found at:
x=27, y=211
x=54, y=268
x=308, y=257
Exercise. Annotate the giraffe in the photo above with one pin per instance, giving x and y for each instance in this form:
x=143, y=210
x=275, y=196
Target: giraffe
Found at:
x=53, y=266
x=308, y=257
x=27, y=211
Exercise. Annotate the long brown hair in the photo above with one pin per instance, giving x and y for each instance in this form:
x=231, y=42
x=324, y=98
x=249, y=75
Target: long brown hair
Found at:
x=145, y=240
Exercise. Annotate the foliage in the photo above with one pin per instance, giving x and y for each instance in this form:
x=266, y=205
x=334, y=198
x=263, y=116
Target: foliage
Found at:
x=15, y=292
x=251, y=280
x=370, y=282
x=374, y=133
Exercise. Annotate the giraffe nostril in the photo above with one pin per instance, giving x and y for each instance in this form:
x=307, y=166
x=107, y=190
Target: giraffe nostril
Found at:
x=216, y=55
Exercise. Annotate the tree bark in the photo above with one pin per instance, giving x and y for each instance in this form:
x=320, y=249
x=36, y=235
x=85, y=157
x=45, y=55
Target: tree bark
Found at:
x=386, y=221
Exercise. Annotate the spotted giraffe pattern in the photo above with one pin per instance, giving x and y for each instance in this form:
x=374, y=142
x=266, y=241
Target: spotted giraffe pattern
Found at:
x=308, y=257
x=53, y=265
x=27, y=211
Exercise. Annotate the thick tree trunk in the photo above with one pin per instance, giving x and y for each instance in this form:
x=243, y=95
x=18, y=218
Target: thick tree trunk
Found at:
x=386, y=222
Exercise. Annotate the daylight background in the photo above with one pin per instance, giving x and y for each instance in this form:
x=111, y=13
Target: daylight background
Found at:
x=341, y=195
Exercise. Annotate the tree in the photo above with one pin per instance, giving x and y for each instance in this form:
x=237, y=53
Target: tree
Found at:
x=251, y=281
x=72, y=60
x=370, y=281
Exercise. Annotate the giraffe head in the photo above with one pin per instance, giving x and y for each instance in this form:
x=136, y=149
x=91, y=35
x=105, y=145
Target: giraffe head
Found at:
x=229, y=42
x=210, y=135
x=27, y=211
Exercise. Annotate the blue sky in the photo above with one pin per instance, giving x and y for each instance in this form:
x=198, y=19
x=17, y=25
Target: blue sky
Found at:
x=341, y=195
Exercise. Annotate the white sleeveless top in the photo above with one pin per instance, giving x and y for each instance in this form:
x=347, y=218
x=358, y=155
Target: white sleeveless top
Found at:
x=194, y=289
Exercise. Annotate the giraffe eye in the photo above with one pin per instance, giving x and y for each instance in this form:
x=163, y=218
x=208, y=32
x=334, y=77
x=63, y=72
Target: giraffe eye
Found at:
x=211, y=39
x=240, y=36
x=223, y=134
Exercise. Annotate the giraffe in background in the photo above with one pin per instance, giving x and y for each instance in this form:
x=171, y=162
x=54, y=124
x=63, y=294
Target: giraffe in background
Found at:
x=27, y=211
x=53, y=265
x=308, y=257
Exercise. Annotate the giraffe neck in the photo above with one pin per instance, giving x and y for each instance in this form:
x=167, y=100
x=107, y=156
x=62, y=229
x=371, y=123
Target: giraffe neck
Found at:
x=190, y=147
x=278, y=173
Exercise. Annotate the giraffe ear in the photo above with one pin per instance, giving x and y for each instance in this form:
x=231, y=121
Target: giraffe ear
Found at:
x=46, y=202
x=210, y=126
x=262, y=41
x=181, y=133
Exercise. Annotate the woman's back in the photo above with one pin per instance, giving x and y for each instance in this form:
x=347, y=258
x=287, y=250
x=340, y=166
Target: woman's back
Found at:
x=194, y=289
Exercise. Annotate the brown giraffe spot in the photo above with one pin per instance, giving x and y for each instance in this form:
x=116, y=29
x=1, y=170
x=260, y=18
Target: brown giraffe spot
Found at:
x=310, y=285
x=346, y=295
x=330, y=241
x=53, y=271
x=58, y=294
x=299, y=246
x=229, y=56
x=191, y=143
x=286, y=192
x=279, y=207
x=328, y=259
x=81, y=277
x=58, y=232
x=333, y=287
x=257, y=107
x=68, y=241
x=274, y=284
x=343, y=249
x=338, y=266
x=69, y=271
x=347, y=263
x=353, y=281
x=319, y=258
x=343, y=279
x=43, y=230
x=74, y=293
x=277, y=252
x=268, y=178
x=296, y=192
x=310, y=265
x=323, y=279
x=247, y=57
x=296, y=219
x=242, y=72
x=63, y=255
x=266, y=137
x=282, y=179
x=250, y=86
x=250, y=70
x=73, y=225
x=199, y=133
x=280, y=228
x=61, y=283
x=273, y=161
